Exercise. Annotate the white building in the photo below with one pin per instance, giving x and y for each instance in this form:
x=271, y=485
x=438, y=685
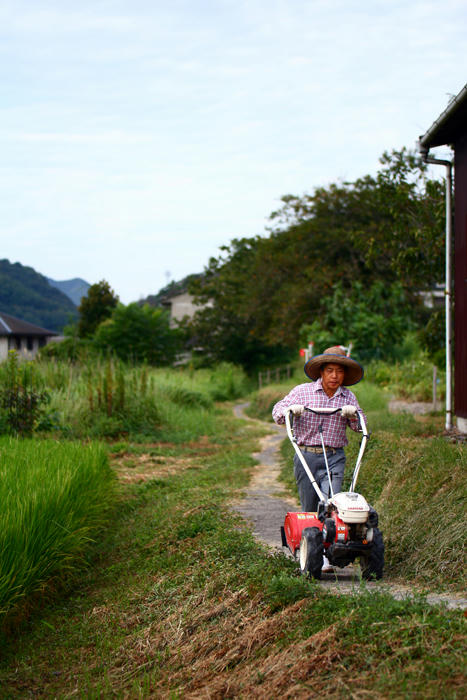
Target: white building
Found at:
x=182, y=306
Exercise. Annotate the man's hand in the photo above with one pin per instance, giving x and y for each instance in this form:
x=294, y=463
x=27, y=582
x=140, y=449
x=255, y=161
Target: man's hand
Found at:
x=348, y=411
x=297, y=409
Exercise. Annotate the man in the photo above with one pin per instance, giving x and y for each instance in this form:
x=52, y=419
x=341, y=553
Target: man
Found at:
x=331, y=372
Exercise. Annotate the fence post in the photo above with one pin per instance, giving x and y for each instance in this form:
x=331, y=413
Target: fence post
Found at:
x=435, y=371
x=265, y=377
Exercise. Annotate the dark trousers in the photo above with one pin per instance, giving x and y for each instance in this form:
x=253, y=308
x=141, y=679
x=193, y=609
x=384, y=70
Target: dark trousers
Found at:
x=307, y=494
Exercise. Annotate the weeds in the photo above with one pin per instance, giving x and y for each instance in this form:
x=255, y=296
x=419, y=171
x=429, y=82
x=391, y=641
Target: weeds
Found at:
x=109, y=399
x=411, y=379
x=22, y=404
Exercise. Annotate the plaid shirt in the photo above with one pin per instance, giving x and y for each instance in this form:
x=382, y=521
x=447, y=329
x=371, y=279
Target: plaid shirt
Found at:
x=305, y=426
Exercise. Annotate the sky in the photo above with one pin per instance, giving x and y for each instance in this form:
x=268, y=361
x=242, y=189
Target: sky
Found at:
x=138, y=137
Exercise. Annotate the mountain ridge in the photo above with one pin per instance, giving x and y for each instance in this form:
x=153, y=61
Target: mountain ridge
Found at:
x=27, y=295
x=74, y=289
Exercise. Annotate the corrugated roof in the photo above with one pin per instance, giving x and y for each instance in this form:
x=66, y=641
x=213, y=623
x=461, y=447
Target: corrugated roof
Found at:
x=450, y=125
x=9, y=325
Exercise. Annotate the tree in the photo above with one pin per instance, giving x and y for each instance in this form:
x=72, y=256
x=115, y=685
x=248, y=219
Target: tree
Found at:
x=386, y=228
x=98, y=305
x=140, y=334
x=389, y=226
x=228, y=327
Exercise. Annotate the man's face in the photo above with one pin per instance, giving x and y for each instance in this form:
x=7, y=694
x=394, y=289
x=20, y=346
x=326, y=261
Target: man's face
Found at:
x=332, y=376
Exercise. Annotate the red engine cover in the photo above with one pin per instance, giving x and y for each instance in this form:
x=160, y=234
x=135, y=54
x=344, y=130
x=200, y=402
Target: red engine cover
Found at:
x=294, y=524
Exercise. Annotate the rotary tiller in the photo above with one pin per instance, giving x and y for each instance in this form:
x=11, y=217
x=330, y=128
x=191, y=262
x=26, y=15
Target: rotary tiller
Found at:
x=345, y=526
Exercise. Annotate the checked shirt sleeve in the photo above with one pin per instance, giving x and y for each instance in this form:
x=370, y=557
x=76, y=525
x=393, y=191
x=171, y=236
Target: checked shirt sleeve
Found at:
x=297, y=395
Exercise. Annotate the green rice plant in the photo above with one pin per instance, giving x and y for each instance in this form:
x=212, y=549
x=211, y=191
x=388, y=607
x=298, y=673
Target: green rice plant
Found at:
x=55, y=497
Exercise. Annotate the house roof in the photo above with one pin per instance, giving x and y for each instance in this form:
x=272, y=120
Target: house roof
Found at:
x=9, y=325
x=450, y=125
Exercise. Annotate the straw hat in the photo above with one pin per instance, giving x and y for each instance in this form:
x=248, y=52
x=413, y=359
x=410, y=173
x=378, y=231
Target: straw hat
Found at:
x=336, y=355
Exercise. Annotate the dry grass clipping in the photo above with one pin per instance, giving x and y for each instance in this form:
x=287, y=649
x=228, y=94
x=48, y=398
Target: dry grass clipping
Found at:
x=227, y=649
x=134, y=469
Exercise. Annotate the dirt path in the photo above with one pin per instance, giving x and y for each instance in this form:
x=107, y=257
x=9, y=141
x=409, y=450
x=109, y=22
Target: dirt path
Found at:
x=265, y=503
x=264, y=507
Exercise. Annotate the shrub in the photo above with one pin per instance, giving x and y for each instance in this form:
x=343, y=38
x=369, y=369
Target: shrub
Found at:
x=227, y=382
x=70, y=348
x=409, y=379
x=139, y=334
x=21, y=403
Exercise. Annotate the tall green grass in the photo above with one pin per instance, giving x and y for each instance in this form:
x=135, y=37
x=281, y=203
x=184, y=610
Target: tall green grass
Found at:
x=106, y=398
x=417, y=484
x=184, y=597
x=54, y=500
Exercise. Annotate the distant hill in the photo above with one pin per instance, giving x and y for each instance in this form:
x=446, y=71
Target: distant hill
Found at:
x=75, y=289
x=27, y=295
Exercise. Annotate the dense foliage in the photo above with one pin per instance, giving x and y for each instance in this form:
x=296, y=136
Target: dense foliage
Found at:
x=345, y=244
x=27, y=295
x=139, y=333
x=102, y=397
x=373, y=319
